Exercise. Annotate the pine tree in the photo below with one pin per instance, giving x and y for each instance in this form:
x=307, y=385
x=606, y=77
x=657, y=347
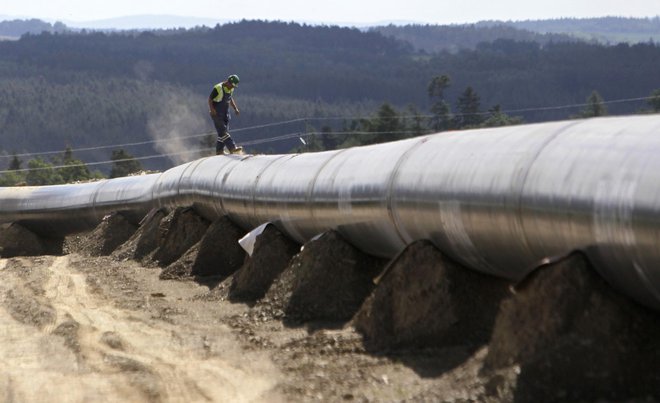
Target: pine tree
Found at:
x=328, y=139
x=595, y=106
x=15, y=163
x=498, y=118
x=387, y=125
x=416, y=126
x=73, y=169
x=124, y=164
x=468, y=107
x=654, y=101
x=442, y=119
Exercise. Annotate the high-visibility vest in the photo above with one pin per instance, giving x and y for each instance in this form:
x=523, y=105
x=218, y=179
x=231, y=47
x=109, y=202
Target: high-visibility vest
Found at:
x=224, y=93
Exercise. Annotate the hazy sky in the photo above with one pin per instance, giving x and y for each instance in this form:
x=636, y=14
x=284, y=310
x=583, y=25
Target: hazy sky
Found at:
x=332, y=11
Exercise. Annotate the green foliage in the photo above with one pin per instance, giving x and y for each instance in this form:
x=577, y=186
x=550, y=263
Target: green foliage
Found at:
x=386, y=126
x=452, y=38
x=16, y=28
x=329, y=141
x=62, y=169
x=124, y=164
x=442, y=118
x=15, y=163
x=497, y=118
x=594, y=107
x=438, y=85
x=83, y=112
x=604, y=29
x=12, y=178
x=72, y=170
x=654, y=101
x=14, y=175
x=310, y=142
x=42, y=173
x=469, y=114
x=417, y=125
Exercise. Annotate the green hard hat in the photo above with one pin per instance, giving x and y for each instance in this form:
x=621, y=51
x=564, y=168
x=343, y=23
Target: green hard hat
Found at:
x=233, y=79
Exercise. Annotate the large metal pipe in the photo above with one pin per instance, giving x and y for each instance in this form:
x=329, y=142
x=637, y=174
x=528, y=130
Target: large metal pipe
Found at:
x=499, y=200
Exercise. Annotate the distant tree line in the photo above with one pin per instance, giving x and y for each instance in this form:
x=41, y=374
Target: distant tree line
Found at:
x=453, y=38
x=334, y=64
x=607, y=30
x=16, y=28
x=64, y=169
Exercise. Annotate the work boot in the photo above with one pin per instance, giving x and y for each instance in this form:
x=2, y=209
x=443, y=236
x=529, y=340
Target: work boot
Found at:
x=236, y=150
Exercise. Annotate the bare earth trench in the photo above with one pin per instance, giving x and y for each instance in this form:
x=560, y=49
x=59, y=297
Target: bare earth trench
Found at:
x=78, y=329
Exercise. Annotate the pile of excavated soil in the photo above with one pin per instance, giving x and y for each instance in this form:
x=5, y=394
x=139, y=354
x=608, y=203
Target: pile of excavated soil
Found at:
x=112, y=232
x=272, y=252
x=328, y=280
x=142, y=244
x=179, y=231
x=16, y=240
x=424, y=299
x=574, y=338
x=271, y=255
x=332, y=280
x=217, y=254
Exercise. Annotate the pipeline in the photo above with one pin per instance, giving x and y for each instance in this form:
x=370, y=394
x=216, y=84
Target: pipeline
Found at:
x=501, y=200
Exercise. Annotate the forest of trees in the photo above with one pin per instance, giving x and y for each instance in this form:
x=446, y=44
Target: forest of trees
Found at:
x=608, y=30
x=64, y=168
x=602, y=30
x=326, y=87
x=452, y=38
x=17, y=28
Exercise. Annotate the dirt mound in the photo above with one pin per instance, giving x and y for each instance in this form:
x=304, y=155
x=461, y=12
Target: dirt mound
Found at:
x=16, y=240
x=217, y=254
x=272, y=253
x=162, y=239
x=113, y=231
x=424, y=299
x=144, y=241
x=179, y=231
x=575, y=338
x=182, y=268
x=328, y=280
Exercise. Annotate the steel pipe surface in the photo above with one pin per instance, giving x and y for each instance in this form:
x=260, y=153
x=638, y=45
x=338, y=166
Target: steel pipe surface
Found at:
x=500, y=201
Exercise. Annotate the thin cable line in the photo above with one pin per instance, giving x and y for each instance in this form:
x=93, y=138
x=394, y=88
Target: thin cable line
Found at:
x=153, y=156
x=305, y=119
x=201, y=150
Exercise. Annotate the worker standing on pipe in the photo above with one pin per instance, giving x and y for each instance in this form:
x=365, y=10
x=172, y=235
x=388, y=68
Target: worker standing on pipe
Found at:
x=219, y=102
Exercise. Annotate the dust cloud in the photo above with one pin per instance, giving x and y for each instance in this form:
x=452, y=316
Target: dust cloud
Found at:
x=178, y=128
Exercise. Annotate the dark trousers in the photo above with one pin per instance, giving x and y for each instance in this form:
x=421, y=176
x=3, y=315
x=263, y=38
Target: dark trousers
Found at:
x=224, y=139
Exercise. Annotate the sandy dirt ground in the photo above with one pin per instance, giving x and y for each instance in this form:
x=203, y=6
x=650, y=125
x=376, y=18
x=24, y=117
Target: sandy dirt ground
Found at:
x=82, y=329
x=118, y=335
